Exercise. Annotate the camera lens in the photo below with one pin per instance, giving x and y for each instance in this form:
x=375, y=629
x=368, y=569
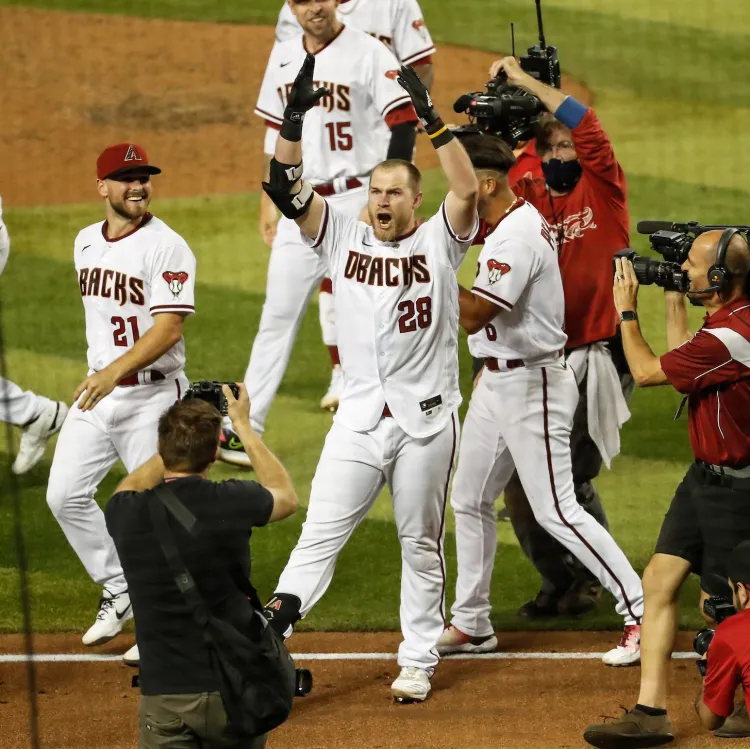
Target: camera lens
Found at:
x=304, y=682
x=702, y=640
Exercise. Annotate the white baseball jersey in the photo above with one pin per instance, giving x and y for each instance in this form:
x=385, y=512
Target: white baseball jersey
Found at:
x=126, y=281
x=4, y=241
x=337, y=136
x=397, y=318
x=518, y=271
x=397, y=23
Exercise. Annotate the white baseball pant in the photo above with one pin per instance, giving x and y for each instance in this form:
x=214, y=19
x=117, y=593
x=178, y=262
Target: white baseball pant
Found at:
x=522, y=418
x=294, y=273
x=18, y=406
x=352, y=470
x=123, y=425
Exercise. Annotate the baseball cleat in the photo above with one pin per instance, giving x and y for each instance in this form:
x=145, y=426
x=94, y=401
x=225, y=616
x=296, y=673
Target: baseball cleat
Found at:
x=114, y=611
x=455, y=641
x=231, y=449
x=132, y=657
x=36, y=434
x=330, y=401
x=634, y=730
x=737, y=725
x=412, y=685
x=628, y=651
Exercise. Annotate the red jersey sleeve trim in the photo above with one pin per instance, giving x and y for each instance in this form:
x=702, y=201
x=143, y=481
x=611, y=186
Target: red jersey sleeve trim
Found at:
x=492, y=298
x=453, y=234
x=401, y=115
x=396, y=103
x=423, y=56
x=323, y=228
x=268, y=116
x=188, y=308
x=272, y=125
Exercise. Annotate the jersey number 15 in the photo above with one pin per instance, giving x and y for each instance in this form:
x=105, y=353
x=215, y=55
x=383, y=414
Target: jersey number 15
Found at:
x=340, y=136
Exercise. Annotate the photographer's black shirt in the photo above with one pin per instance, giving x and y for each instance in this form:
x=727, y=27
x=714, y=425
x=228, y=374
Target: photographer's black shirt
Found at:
x=174, y=656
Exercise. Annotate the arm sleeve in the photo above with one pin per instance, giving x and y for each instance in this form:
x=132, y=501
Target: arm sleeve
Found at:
x=336, y=231
x=287, y=27
x=269, y=142
x=723, y=676
x=173, y=280
x=412, y=42
x=385, y=92
x=504, y=271
x=456, y=245
x=254, y=502
x=595, y=152
x=701, y=362
x=270, y=106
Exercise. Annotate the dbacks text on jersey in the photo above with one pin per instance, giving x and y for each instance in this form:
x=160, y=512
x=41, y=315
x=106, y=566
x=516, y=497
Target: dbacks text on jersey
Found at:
x=387, y=271
x=339, y=96
x=111, y=284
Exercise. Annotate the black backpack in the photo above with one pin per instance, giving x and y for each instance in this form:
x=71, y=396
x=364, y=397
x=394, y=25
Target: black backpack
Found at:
x=255, y=671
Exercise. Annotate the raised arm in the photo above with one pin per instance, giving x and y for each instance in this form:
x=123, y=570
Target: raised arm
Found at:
x=461, y=203
x=293, y=196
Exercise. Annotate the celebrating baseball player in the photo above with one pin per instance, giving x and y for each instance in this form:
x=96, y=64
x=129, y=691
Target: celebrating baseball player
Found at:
x=521, y=412
x=397, y=305
x=346, y=136
x=40, y=417
x=137, y=279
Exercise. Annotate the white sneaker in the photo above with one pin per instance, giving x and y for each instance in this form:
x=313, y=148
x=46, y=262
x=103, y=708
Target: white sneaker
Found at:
x=114, y=611
x=132, y=657
x=231, y=449
x=412, y=685
x=330, y=401
x=35, y=435
x=628, y=652
x=455, y=641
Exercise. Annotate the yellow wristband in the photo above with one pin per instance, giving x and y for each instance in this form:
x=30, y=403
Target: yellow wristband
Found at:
x=439, y=132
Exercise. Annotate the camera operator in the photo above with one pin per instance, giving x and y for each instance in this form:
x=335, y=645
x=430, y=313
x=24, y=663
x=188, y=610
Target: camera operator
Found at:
x=583, y=197
x=180, y=701
x=728, y=657
x=710, y=512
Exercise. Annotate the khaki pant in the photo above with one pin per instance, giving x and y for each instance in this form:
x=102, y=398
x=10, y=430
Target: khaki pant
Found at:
x=188, y=721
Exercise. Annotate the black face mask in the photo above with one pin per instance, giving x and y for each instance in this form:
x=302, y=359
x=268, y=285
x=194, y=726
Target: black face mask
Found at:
x=562, y=176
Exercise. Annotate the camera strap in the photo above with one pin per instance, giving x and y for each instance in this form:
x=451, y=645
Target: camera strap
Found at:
x=680, y=408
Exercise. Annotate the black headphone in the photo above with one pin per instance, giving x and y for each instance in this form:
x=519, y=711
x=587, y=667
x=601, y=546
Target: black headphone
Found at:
x=719, y=275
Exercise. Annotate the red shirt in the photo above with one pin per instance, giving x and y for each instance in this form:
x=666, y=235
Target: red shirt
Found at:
x=728, y=664
x=528, y=164
x=591, y=223
x=713, y=370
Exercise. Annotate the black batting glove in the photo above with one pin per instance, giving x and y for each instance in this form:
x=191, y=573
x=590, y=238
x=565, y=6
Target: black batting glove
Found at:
x=302, y=98
x=420, y=96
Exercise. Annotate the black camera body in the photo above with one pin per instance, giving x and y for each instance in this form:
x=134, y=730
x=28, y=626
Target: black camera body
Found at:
x=717, y=608
x=211, y=392
x=509, y=111
x=667, y=275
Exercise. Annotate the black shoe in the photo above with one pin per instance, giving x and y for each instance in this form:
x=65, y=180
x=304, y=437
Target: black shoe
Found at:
x=544, y=606
x=737, y=725
x=634, y=730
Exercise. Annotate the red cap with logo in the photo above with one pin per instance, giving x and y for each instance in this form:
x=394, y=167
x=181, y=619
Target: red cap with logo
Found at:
x=116, y=161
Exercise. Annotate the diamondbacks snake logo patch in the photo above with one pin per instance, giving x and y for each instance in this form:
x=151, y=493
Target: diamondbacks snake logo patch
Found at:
x=175, y=281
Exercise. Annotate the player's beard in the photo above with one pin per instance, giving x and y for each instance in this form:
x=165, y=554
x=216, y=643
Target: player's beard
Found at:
x=131, y=210
x=394, y=229
x=322, y=30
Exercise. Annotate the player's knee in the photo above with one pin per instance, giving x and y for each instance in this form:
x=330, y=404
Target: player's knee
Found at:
x=421, y=554
x=57, y=495
x=660, y=585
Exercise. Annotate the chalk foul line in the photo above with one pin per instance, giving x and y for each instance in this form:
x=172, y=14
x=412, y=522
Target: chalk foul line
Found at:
x=563, y=656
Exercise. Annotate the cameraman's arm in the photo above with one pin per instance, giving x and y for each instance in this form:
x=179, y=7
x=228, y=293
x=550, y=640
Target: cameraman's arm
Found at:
x=271, y=474
x=146, y=477
x=715, y=702
x=677, y=322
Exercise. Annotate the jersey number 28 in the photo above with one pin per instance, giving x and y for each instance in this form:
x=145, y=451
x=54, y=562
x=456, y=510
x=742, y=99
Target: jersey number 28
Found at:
x=415, y=315
x=120, y=332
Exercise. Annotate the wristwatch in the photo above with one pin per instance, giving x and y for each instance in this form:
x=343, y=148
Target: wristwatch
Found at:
x=628, y=316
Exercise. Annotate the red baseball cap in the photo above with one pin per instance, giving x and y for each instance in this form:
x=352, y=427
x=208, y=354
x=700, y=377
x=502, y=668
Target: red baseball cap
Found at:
x=116, y=161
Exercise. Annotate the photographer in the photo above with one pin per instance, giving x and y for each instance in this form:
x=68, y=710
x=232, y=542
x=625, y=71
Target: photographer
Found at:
x=583, y=197
x=180, y=701
x=710, y=512
x=728, y=657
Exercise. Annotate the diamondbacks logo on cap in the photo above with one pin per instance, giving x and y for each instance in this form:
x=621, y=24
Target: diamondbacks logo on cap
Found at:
x=497, y=270
x=132, y=154
x=175, y=281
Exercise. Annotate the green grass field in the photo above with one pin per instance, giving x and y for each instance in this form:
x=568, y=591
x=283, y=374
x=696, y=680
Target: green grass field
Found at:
x=665, y=85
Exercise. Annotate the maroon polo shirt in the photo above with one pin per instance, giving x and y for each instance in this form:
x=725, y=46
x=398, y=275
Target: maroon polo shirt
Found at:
x=713, y=370
x=728, y=664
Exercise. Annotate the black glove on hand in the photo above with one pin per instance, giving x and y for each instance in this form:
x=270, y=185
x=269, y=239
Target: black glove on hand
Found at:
x=302, y=98
x=428, y=115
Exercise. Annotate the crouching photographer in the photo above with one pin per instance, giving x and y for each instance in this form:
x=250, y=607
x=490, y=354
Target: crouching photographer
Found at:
x=212, y=672
x=710, y=512
x=727, y=651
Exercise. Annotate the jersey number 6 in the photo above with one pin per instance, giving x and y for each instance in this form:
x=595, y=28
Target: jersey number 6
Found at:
x=119, y=333
x=415, y=315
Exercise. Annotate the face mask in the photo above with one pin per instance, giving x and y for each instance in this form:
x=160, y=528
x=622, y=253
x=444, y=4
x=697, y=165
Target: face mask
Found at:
x=562, y=176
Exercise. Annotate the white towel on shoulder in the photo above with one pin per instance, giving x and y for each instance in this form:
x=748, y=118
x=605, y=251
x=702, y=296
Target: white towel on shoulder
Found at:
x=607, y=408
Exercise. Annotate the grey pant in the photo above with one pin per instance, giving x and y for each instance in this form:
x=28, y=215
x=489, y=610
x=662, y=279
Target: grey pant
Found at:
x=558, y=568
x=188, y=721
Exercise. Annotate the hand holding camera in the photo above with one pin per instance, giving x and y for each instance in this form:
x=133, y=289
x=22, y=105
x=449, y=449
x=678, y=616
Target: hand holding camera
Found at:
x=238, y=408
x=510, y=69
x=626, y=286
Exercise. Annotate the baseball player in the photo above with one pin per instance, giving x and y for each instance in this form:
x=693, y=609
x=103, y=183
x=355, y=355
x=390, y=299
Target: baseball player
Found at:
x=137, y=279
x=400, y=25
x=40, y=417
x=521, y=411
x=365, y=118
x=397, y=304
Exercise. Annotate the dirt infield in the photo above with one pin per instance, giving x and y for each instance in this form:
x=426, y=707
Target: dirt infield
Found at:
x=74, y=83
x=475, y=702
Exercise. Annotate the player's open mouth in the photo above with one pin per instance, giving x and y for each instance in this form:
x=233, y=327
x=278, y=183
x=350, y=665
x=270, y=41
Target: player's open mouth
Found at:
x=384, y=220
